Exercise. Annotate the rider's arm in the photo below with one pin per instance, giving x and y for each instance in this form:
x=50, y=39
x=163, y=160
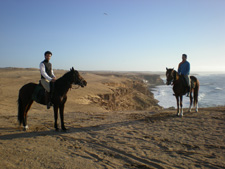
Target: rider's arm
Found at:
x=186, y=70
x=53, y=75
x=179, y=69
x=43, y=73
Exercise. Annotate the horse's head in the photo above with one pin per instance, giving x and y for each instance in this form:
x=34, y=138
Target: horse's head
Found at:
x=169, y=76
x=77, y=78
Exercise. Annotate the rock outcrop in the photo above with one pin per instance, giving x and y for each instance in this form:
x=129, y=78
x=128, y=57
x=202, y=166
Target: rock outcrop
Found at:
x=131, y=94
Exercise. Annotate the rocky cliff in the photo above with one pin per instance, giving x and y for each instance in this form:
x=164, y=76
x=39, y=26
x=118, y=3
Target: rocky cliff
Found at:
x=131, y=94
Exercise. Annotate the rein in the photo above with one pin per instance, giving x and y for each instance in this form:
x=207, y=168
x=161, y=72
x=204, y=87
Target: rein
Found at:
x=78, y=86
x=175, y=80
x=65, y=81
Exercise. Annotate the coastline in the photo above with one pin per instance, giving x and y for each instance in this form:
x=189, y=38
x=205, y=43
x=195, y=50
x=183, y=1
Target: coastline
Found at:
x=138, y=134
x=211, y=93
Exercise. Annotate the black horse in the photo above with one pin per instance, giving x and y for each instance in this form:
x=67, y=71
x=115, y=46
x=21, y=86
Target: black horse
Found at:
x=179, y=88
x=59, y=97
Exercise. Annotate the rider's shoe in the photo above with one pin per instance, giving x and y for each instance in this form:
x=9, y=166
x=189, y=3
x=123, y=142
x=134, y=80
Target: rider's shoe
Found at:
x=49, y=105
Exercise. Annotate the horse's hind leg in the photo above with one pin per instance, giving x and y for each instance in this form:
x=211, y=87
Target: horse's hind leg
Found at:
x=196, y=107
x=196, y=90
x=178, y=106
x=27, y=108
x=196, y=104
x=181, y=106
x=191, y=101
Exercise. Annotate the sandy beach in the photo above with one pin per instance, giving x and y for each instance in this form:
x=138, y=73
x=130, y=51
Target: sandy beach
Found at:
x=114, y=122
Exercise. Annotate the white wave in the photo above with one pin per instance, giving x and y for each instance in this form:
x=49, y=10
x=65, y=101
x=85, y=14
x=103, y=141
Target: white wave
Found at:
x=201, y=96
x=206, y=84
x=211, y=93
x=218, y=88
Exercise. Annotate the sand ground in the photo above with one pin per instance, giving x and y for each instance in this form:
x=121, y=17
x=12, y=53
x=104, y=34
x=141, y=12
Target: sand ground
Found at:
x=102, y=138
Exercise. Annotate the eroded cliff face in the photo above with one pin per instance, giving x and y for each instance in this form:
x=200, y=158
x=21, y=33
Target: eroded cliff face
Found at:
x=131, y=94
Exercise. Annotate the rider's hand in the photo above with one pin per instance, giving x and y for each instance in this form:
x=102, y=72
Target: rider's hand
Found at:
x=53, y=79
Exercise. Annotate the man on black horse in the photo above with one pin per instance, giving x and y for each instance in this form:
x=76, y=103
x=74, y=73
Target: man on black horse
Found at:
x=184, y=70
x=47, y=77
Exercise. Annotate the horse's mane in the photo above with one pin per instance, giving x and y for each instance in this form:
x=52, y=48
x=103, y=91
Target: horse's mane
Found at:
x=174, y=73
x=64, y=83
x=66, y=76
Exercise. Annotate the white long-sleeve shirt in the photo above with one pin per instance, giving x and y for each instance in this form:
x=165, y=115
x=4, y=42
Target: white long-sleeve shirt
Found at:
x=44, y=74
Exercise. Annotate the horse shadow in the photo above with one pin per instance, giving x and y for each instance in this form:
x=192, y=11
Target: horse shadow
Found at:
x=52, y=132
x=152, y=117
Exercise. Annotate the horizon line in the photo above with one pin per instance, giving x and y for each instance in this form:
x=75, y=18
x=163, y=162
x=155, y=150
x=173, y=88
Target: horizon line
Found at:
x=160, y=71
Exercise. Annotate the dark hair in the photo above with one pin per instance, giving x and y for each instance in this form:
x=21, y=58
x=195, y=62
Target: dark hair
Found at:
x=48, y=52
x=185, y=55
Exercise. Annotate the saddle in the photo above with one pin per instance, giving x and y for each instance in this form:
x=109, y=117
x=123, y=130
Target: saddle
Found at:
x=183, y=80
x=39, y=94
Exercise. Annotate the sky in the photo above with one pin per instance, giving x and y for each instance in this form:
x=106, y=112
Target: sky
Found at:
x=113, y=35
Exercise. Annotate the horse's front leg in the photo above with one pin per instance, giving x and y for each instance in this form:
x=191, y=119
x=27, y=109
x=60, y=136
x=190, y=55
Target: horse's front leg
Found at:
x=61, y=108
x=181, y=106
x=178, y=108
x=56, y=117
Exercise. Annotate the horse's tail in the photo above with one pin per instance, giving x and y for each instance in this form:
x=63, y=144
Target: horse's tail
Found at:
x=25, y=101
x=20, y=110
x=196, y=91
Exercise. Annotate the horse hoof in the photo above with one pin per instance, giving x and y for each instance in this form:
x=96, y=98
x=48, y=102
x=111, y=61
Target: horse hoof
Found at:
x=64, y=129
x=56, y=129
x=25, y=128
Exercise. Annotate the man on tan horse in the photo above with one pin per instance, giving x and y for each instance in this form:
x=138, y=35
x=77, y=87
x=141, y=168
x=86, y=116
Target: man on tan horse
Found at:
x=184, y=70
x=47, y=76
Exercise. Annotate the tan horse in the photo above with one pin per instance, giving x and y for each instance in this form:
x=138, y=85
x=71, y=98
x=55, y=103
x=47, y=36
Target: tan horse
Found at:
x=173, y=78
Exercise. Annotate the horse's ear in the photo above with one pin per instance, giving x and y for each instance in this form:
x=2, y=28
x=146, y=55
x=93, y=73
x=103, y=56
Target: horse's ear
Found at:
x=166, y=68
x=173, y=68
x=72, y=69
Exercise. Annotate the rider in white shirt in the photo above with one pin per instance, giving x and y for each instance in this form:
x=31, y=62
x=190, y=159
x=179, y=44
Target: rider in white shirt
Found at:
x=47, y=76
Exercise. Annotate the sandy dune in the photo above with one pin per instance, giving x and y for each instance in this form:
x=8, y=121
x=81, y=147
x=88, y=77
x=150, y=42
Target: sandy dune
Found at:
x=102, y=135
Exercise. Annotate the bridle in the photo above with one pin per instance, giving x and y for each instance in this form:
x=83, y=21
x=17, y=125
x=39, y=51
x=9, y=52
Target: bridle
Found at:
x=171, y=81
x=79, y=81
x=78, y=86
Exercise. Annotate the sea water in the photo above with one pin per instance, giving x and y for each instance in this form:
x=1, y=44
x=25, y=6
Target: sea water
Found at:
x=211, y=92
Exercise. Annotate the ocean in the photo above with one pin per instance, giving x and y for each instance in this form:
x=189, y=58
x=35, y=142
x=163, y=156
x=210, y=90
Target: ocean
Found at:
x=211, y=93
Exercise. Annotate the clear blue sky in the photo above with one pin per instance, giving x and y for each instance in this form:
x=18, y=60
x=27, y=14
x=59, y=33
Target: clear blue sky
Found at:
x=125, y=35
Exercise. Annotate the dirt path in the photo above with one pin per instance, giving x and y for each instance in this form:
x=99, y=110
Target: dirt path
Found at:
x=116, y=140
x=100, y=138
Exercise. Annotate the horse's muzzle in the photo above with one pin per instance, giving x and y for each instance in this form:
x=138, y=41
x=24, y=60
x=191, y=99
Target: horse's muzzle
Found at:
x=168, y=83
x=83, y=83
